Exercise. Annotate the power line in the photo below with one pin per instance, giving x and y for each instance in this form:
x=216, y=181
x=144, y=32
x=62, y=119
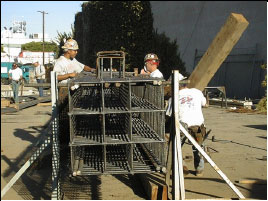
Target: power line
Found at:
x=203, y=3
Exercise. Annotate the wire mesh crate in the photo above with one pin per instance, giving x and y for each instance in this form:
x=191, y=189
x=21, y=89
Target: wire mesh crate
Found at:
x=116, y=123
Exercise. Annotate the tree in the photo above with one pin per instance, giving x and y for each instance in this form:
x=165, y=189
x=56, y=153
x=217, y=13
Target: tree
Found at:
x=2, y=48
x=61, y=38
x=38, y=47
x=167, y=52
x=126, y=26
x=115, y=25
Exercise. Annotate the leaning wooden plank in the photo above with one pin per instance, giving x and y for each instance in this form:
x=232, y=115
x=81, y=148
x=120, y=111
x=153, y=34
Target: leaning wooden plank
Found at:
x=154, y=185
x=251, y=181
x=169, y=168
x=218, y=50
x=165, y=193
x=215, y=199
x=179, y=190
x=150, y=186
x=44, y=104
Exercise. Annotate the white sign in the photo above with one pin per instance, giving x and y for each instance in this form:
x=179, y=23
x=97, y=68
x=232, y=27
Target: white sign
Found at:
x=3, y=69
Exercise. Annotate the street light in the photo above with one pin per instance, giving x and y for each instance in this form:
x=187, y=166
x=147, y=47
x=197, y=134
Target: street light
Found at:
x=8, y=41
x=43, y=12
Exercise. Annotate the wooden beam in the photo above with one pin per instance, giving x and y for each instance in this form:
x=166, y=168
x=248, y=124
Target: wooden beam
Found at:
x=154, y=185
x=251, y=181
x=177, y=173
x=218, y=50
x=44, y=104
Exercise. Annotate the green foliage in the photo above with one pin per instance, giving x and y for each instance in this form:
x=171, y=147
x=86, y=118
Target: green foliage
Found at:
x=38, y=47
x=167, y=52
x=2, y=48
x=264, y=82
x=61, y=38
x=126, y=26
x=262, y=105
x=114, y=25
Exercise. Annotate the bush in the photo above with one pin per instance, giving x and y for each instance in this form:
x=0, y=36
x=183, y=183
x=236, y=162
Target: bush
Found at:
x=262, y=105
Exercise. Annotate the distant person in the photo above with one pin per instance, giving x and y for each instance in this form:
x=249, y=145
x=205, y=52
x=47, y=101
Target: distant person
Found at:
x=151, y=63
x=40, y=75
x=15, y=74
x=67, y=66
x=192, y=119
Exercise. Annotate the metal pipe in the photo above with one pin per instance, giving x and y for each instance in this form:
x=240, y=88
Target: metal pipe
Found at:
x=155, y=164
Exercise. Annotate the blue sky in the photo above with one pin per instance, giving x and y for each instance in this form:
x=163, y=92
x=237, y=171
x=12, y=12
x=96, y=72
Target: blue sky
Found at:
x=60, y=15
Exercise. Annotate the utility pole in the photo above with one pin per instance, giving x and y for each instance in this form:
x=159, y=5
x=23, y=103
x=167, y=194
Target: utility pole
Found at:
x=43, y=12
x=8, y=37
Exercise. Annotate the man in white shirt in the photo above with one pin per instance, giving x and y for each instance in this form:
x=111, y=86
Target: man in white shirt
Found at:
x=191, y=117
x=16, y=77
x=67, y=66
x=151, y=63
x=40, y=75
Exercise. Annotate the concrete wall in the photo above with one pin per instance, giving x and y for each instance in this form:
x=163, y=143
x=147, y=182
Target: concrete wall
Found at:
x=194, y=25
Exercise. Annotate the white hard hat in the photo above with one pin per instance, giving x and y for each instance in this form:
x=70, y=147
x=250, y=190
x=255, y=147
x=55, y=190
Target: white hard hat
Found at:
x=181, y=77
x=70, y=44
x=151, y=56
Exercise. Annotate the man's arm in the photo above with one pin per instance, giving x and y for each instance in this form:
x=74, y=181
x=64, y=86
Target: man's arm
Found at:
x=21, y=75
x=43, y=70
x=203, y=101
x=66, y=76
x=89, y=69
x=9, y=77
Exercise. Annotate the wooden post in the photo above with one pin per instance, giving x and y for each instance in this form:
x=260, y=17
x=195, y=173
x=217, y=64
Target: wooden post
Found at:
x=178, y=167
x=218, y=50
x=169, y=163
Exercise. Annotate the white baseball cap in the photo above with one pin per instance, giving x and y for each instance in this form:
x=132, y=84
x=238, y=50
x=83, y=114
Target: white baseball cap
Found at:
x=181, y=77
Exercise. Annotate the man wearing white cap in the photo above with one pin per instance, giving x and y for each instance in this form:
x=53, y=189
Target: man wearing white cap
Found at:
x=191, y=117
x=151, y=63
x=67, y=66
x=40, y=75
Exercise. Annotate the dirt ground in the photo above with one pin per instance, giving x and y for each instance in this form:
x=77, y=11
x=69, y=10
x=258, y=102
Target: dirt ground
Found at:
x=240, y=139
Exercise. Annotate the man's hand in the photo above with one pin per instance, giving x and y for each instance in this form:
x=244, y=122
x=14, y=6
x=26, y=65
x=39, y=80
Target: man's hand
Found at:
x=89, y=69
x=144, y=73
x=72, y=74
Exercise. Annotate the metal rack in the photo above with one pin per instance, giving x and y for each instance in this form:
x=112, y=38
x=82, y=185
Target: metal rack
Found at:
x=116, y=122
x=116, y=127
